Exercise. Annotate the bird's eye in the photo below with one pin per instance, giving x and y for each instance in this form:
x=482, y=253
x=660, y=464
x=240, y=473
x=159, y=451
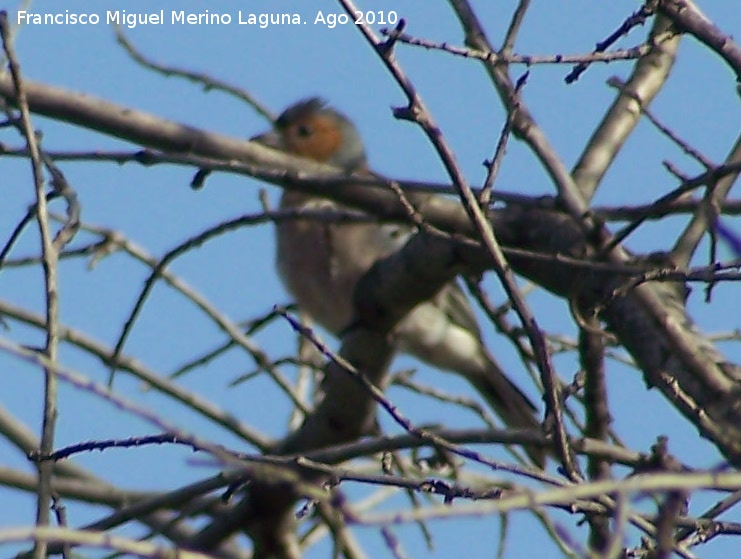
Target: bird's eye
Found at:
x=304, y=130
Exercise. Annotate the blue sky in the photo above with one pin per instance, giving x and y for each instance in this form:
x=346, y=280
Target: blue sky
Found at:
x=279, y=64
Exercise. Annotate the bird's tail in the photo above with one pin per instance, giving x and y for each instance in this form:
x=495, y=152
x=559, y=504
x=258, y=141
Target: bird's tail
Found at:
x=510, y=403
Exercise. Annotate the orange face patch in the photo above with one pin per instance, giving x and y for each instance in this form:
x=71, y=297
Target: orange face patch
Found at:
x=316, y=137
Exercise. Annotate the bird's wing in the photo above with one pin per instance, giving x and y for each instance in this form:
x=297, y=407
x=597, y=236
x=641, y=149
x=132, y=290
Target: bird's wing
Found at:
x=455, y=304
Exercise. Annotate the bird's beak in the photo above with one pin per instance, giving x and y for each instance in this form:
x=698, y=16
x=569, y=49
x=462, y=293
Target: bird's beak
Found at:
x=269, y=139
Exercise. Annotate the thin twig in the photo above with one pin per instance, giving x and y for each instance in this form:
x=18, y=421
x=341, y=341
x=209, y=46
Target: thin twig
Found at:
x=636, y=18
x=49, y=263
x=208, y=82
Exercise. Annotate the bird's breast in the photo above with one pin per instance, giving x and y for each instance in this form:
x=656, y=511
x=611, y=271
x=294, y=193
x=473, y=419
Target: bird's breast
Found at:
x=320, y=262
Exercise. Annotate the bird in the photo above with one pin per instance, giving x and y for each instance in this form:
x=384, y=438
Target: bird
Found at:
x=320, y=264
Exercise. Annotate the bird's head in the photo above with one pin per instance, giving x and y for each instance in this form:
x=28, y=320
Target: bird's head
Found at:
x=315, y=131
